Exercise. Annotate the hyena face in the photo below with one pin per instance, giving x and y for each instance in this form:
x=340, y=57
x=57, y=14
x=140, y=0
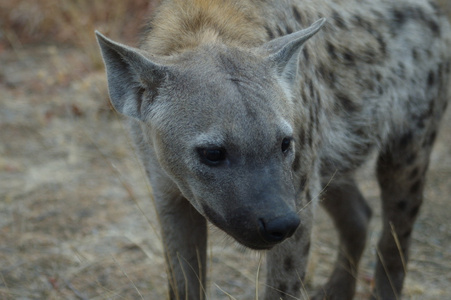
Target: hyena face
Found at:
x=219, y=121
x=233, y=160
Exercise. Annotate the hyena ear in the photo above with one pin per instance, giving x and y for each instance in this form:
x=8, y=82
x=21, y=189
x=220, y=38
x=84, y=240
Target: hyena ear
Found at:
x=284, y=51
x=133, y=79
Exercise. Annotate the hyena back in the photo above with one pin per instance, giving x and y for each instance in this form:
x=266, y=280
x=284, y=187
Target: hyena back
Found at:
x=244, y=111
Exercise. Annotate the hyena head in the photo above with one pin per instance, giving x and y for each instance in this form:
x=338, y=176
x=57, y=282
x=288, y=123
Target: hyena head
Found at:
x=219, y=120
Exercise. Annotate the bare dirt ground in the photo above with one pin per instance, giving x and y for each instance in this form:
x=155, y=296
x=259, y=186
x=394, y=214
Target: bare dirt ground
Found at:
x=76, y=215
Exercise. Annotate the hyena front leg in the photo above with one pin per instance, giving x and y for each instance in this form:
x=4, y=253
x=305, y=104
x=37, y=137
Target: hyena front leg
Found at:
x=184, y=233
x=351, y=215
x=401, y=172
x=287, y=262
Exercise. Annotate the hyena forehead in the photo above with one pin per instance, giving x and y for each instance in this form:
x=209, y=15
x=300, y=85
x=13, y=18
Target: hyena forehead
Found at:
x=218, y=84
x=217, y=136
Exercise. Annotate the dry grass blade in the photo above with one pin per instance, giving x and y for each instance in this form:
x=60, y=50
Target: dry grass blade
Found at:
x=257, y=276
x=381, y=259
x=398, y=245
x=126, y=275
x=227, y=294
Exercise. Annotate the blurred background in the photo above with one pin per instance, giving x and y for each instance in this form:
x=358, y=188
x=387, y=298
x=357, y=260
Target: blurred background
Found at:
x=76, y=212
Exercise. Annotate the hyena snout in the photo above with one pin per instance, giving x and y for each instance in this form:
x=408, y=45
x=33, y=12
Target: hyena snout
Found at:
x=259, y=229
x=275, y=230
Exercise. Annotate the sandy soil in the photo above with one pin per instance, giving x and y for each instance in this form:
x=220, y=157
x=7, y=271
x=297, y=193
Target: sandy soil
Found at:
x=76, y=215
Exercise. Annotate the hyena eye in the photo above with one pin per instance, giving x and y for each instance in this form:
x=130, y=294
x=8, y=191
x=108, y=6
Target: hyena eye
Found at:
x=286, y=142
x=212, y=156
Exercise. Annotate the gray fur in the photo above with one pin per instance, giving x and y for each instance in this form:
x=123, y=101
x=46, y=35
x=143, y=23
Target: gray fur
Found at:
x=245, y=135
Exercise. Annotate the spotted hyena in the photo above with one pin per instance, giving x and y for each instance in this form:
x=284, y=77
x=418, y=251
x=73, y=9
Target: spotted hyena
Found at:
x=247, y=113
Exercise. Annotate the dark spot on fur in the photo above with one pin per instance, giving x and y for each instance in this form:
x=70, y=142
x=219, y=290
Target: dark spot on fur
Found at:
x=382, y=45
x=297, y=286
x=401, y=72
x=347, y=103
x=378, y=77
x=280, y=31
x=403, y=15
x=414, y=173
x=331, y=50
x=288, y=264
x=357, y=20
x=303, y=182
x=398, y=17
x=339, y=21
x=362, y=23
x=310, y=139
x=414, y=211
x=411, y=158
x=297, y=15
x=434, y=27
x=306, y=54
x=360, y=132
x=311, y=88
x=327, y=75
x=269, y=33
x=425, y=116
x=430, y=110
x=431, y=139
x=308, y=195
x=415, y=54
x=282, y=289
x=415, y=188
x=401, y=205
x=431, y=78
x=406, y=234
x=348, y=56
x=369, y=55
x=303, y=95
x=406, y=139
x=296, y=162
x=306, y=249
x=289, y=30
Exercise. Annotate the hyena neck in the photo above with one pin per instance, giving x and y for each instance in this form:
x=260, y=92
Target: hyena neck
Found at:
x=181, y=25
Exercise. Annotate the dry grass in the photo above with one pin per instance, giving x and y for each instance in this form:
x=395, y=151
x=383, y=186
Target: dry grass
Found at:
x=71, y=22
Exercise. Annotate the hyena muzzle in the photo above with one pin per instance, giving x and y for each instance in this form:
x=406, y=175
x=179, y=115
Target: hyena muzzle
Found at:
x=247, y=113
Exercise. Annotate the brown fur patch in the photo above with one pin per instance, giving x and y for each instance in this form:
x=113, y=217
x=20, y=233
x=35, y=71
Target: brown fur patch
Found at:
x=180, y=25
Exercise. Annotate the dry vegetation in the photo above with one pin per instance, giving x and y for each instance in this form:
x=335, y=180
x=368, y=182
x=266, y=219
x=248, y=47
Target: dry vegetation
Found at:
x=76, y=219
x=71, y=22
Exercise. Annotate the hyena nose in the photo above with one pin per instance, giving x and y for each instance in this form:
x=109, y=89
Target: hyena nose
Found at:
x=277, y=229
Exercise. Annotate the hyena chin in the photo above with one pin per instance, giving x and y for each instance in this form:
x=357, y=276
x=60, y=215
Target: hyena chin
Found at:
x=243, y=111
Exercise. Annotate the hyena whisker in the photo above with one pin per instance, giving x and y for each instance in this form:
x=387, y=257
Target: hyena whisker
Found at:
x=316, y=197
x=303, y=287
